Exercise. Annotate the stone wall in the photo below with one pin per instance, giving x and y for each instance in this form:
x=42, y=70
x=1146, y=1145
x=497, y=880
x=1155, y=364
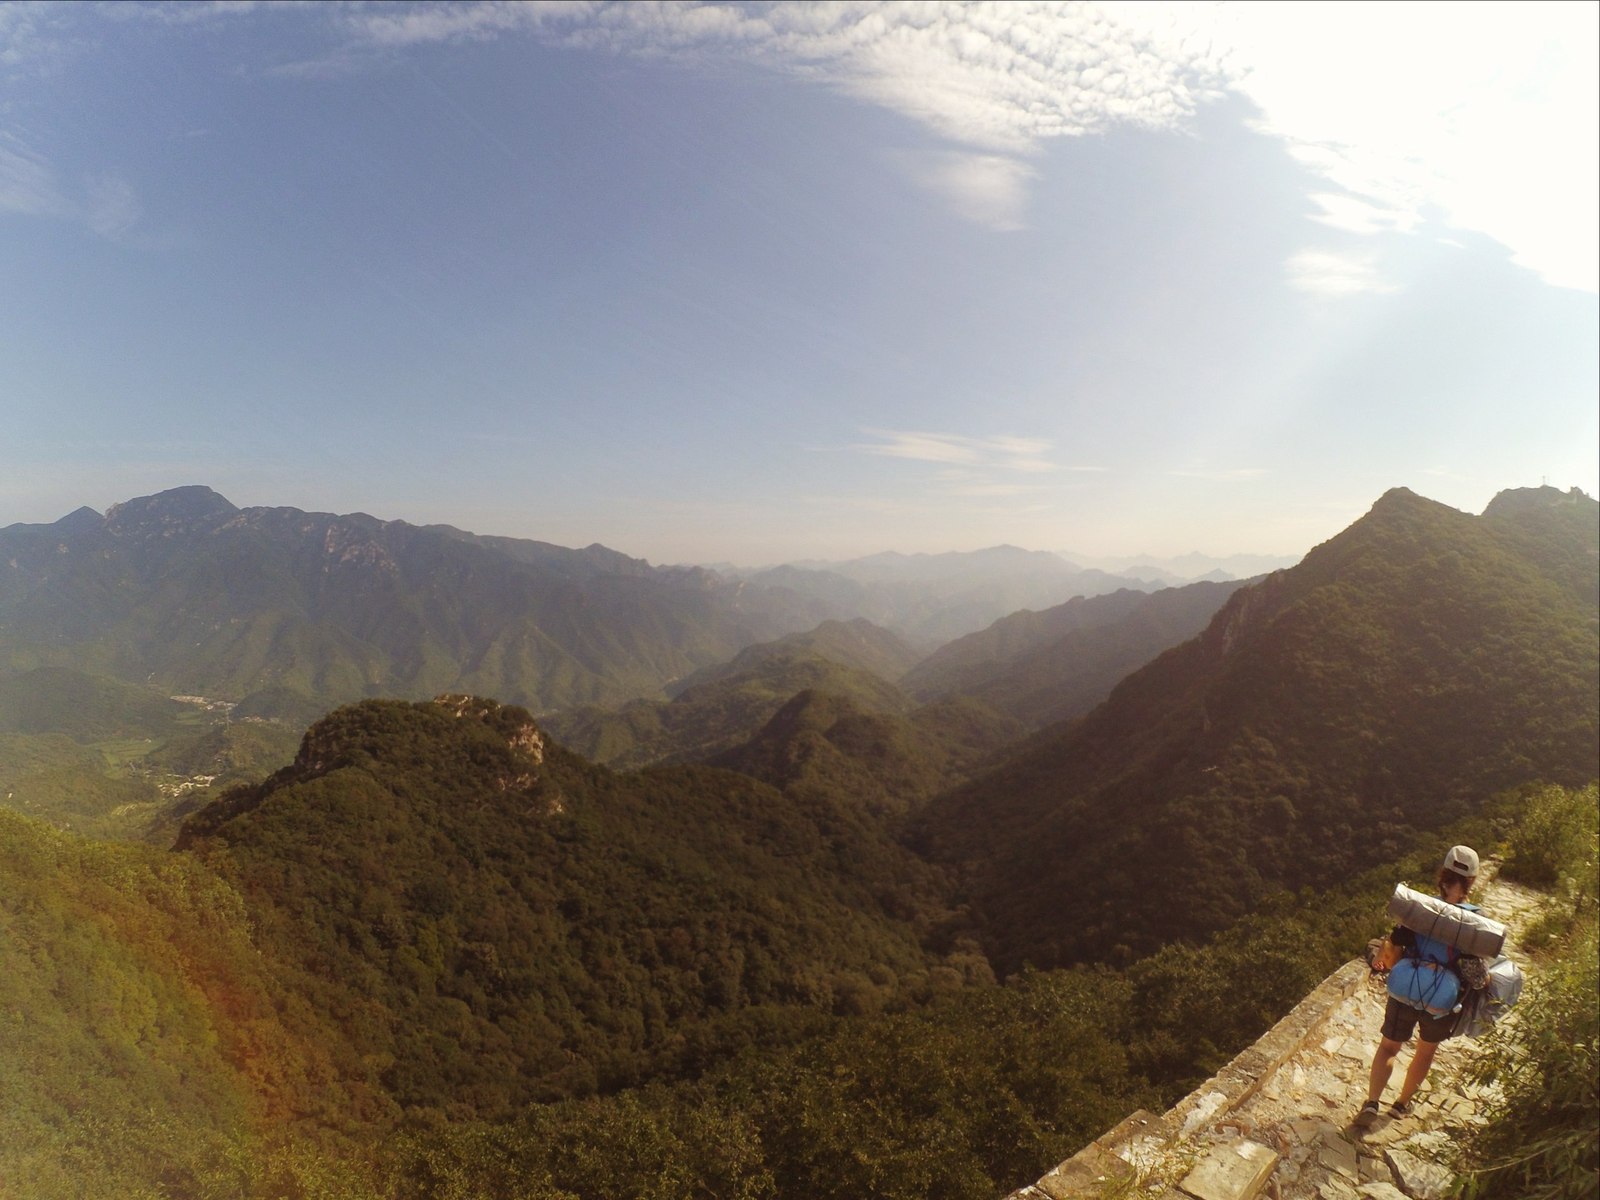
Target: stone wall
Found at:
x=1116, y=1156
x=1277, y=1118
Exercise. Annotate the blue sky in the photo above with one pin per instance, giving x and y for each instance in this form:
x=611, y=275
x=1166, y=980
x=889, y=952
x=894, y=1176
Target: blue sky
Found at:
x=765, y=282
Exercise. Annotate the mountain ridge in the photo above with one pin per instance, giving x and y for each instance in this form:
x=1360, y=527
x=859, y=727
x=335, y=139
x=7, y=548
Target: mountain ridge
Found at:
x=189, y=591
x=1401, y=673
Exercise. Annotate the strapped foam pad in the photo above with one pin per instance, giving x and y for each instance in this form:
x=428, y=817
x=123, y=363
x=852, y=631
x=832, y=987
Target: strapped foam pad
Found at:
x=1469, y=932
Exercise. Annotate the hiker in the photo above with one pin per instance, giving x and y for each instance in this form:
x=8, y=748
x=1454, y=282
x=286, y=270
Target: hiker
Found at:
x=1400, y=1018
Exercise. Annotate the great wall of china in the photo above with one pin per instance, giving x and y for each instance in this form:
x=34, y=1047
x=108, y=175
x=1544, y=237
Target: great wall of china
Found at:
x=1275, y=1121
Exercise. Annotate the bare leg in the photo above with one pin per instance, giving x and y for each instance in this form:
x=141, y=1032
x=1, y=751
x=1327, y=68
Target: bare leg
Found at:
x=1417, y=1071
x=1383, y=1064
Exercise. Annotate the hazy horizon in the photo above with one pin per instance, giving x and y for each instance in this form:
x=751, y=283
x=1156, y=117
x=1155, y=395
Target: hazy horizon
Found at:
x=717, y=283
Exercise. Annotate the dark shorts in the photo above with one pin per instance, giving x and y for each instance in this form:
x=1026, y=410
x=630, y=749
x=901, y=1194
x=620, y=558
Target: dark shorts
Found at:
x=1400, y=1020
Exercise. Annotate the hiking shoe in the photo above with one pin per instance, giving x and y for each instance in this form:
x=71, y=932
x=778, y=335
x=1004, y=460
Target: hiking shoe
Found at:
x=1400, y=1108
x=1367, y=1115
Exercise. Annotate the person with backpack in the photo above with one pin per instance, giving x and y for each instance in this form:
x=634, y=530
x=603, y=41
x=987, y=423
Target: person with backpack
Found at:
x=1425, y=988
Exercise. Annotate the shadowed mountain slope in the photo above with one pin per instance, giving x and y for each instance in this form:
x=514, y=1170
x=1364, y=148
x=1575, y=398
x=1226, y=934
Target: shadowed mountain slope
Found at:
x=1040, y=667
x=1402, y=673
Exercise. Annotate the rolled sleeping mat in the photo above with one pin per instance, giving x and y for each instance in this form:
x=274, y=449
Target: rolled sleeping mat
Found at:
x=1468, y=931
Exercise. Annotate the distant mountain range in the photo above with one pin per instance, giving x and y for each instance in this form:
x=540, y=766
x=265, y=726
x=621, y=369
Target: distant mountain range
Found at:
x=931, y=598
x=282, y=609
x=289, y=612
x=1193, y=567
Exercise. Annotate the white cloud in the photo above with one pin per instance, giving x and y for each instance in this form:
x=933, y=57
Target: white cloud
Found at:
x=1355, y=215
x=1336, y=273
x=987, y=189
x=995, y=79
x=112, y=208
x=1221, y=474
x=925, y=447
x=415, y=24
x=1000, y=453
x=27, y=183
x=1486, y=113
x=1485, y=116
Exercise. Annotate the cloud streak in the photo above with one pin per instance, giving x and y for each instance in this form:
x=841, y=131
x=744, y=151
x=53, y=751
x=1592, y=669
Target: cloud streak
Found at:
x=1489, y=117
x=995, y=80
x=1001, y=453
x=27, y=183
x=30, y=186
x=1335, y=274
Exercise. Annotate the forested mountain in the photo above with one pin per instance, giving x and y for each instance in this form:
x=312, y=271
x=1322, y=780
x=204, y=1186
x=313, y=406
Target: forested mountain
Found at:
x=827, y=744
x=1403, y=672
x=434, y=866
x=1040, y=667
x=718, y=707
x=714, y=715
x=856, y=643
x=187, y=592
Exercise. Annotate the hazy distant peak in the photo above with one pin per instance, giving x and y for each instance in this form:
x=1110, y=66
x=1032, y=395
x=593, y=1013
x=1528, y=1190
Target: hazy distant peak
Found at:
x=168, y=511
x=182, y=504
x=79, y=520
x=1517, y=500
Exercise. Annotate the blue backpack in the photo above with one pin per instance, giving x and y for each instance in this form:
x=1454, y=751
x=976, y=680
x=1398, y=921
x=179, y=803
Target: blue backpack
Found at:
x=1425, y=977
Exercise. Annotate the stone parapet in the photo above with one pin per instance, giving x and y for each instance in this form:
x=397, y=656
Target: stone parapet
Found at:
x=1117, y=1156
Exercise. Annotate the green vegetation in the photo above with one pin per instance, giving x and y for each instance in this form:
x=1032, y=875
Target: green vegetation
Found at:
x=111, y=760
x=820, y=745
x=86, y=708
x=438, y=956
x=1400, y=676
x=54, y=778
x=1049, y=666
x=143, y=1051
x=300, y=611
x=715, y=714
x=1542, y=1141
x=574, y=930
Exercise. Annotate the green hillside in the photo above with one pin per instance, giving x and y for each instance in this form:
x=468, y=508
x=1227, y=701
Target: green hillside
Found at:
x=112, y=759
x=858, y=644
x=718, y=707
x=1402, y=673
x=823, y=744
x=431, y=866
x=86, y=708
x=162, y=1047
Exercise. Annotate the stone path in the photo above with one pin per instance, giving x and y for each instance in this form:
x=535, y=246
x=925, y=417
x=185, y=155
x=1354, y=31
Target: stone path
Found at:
x=1276, y=1121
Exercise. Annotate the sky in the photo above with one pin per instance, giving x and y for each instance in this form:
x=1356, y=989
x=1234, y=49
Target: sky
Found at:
x=764, y=282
